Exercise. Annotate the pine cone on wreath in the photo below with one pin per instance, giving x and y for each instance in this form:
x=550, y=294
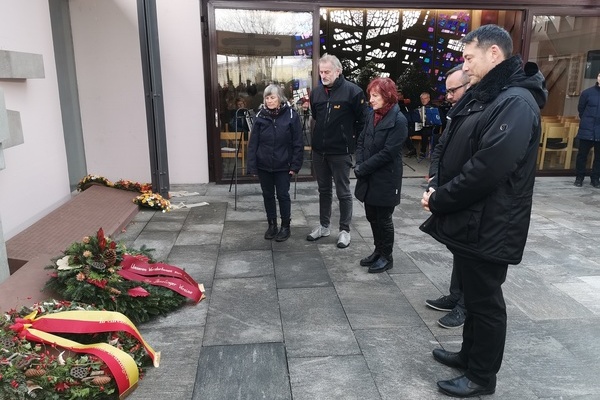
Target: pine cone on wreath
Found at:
x=110, y=257
x=101, y=380
x=34, y=373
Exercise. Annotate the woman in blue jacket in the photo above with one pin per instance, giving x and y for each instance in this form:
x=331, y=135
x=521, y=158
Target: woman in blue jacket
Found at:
x=275, y=154
x=379, y=169
x=589, y=133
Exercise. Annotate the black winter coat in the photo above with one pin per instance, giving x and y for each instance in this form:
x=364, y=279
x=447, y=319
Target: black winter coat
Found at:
x=339, y=113
x=589, y=114
x=276, y=143
x=482, y=205
x=379, y=159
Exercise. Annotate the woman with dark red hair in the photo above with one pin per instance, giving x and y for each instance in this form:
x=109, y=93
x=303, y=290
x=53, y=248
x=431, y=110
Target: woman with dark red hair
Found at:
x=379, y=169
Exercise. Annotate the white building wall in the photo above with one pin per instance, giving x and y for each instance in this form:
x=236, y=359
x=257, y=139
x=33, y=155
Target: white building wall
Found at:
x=111, y=89
x=183, y=85
x=35, y=180
x=111, y=95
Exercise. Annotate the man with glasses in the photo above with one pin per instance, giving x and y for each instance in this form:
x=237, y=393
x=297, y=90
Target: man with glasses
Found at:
x=457, y=82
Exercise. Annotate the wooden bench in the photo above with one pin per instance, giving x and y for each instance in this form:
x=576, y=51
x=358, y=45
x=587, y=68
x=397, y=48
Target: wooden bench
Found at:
x=34, y=248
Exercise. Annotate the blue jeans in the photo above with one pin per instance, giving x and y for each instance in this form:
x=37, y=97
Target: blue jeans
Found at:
x=337, y=168
x=276, y=181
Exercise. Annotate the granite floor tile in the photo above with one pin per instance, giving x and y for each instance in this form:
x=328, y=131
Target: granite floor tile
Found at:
x=314, y=323
x=242, y=311
x=250, y=371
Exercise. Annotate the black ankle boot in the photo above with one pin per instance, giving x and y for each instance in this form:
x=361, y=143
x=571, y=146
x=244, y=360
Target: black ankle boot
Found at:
x=382, y=264
x=284, y=232
x=370, y=259
x=272, y=231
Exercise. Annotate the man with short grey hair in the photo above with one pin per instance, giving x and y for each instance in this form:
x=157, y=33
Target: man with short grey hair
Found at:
x=338, y=107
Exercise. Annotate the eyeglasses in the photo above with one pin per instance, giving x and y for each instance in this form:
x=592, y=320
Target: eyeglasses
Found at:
x=450, y=91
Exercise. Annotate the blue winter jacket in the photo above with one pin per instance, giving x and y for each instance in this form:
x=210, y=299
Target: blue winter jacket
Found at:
x=275, y=143
x=589, y=114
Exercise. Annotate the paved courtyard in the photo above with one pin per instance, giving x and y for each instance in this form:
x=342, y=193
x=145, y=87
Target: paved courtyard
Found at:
x=302, y=320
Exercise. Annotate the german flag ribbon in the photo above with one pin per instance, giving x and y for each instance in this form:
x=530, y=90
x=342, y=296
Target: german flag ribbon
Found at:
x=159, y=274
x=121, y=365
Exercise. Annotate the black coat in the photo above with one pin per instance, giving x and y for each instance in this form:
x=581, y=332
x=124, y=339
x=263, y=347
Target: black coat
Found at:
x=339, y=115
x=589, y=114
x=486, y=171
x=379, y=160
x=276, y=143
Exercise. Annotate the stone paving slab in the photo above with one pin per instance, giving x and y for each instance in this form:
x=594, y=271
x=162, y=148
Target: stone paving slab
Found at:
x=243, y=311
x=331, y=378
x=300, y=269
x=249, y=371
x=314, y=323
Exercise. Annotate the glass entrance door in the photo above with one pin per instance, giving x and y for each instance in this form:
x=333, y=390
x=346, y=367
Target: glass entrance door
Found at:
x=256, y=48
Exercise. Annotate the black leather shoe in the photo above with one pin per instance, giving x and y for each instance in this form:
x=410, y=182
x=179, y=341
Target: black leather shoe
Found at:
x=578, y=182
x=381, y=264
x=369, y=260
x=463, y=387
x=449, y=358
x=596, y=184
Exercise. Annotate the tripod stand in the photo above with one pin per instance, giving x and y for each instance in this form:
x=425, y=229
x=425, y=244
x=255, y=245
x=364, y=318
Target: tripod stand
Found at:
x=239, y=143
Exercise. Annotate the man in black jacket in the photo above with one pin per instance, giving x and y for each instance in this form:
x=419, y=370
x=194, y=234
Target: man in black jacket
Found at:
x=457, y=82
x=481, y=207
x=338, y=108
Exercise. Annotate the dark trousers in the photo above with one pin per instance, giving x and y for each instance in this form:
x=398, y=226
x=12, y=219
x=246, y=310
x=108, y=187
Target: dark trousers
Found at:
x=582, y=155
x=426, y=137
x=271, y=182
x=456, y=293
x=334, y=167
x=484, y=332
x=382, y=226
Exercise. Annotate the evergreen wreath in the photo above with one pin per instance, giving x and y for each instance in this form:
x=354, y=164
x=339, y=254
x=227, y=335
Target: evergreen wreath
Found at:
x=88, y=273
x=147, y=198
x=30, y=370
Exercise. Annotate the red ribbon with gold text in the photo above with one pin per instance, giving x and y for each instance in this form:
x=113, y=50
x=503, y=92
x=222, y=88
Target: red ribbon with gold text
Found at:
x=159, y=274
x=121, y=365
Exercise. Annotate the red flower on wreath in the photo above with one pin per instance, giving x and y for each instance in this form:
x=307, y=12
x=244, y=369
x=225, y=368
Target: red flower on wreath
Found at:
x=61, y=387
x=101, y=283
x=101, y=239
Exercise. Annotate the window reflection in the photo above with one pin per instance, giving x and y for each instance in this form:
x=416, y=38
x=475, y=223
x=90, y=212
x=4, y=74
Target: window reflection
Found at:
x=256, y=48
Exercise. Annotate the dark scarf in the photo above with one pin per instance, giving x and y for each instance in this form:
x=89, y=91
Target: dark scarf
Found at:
x=274, y=112
x=379, y=114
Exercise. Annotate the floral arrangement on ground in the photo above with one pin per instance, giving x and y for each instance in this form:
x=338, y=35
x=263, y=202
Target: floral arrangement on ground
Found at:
x=34, y=370
x=92, y=271
x=147, y=198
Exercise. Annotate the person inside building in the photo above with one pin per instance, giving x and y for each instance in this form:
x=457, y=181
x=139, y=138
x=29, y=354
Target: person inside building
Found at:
x=428, y=125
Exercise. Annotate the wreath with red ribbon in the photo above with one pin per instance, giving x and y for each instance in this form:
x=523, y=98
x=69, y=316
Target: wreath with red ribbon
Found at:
x=105, y=273
x=67, y=350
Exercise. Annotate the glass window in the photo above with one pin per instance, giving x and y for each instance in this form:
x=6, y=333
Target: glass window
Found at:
x=256, y=48
x=567, y=50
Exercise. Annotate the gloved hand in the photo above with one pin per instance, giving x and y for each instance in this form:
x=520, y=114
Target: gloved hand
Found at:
x=357, y=171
